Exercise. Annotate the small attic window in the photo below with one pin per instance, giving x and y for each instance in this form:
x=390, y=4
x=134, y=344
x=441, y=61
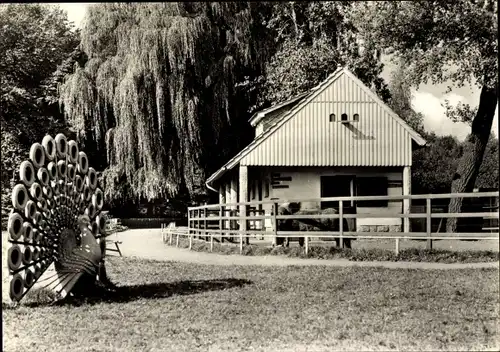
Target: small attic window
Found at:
x=355, y=117
x=343, y=117
x=332, y=117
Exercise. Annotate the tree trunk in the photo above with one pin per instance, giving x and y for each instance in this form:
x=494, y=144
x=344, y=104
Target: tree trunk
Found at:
x=474, y=147
x=293, y=15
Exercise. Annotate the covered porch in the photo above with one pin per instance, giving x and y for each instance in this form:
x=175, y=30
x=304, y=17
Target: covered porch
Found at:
x=257, y=186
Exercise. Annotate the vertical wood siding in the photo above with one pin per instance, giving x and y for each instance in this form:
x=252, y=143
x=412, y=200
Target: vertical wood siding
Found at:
x=310, y=139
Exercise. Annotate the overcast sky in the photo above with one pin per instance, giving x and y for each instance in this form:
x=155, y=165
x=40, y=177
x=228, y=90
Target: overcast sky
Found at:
x=427, y=99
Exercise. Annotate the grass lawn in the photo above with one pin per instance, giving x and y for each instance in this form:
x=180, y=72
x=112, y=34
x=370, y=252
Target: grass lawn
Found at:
x=166, y=306
x=362, y=250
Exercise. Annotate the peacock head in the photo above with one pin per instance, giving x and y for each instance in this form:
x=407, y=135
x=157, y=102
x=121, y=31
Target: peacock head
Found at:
x=83, y=221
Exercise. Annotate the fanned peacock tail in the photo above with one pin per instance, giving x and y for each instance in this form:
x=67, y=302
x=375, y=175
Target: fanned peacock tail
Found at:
x=56, y=218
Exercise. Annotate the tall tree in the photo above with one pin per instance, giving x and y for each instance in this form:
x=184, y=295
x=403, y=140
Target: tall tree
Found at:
x=35, y=40
x=442, y=41
x=158, y=91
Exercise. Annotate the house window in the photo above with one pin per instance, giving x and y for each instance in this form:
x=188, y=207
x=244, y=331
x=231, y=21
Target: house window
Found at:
x=332, y=117
x=372, y=186
x=336, y=186
x=355, y=117
x=343, y=117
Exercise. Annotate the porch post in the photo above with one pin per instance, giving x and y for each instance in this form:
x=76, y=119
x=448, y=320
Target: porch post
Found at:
x=243, y=187
x=406, y=191
x=222, y=200
x=222, y=194
x=228, y=200
x=234, y=199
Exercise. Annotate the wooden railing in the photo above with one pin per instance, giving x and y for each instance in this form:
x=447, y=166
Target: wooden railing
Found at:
x=221, y=220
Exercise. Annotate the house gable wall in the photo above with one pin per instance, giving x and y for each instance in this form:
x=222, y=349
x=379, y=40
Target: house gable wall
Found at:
x=309, y=138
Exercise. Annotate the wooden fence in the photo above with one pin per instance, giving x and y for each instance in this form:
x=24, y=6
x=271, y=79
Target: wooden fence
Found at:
x=225, y=220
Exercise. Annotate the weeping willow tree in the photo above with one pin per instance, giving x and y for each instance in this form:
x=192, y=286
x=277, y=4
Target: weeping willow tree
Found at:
x=157, y=95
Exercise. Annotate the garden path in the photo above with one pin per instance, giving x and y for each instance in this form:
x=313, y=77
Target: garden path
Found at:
x=148, y=244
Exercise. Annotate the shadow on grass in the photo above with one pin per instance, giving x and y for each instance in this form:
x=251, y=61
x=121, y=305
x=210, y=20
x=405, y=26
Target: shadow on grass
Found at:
x=123, y=294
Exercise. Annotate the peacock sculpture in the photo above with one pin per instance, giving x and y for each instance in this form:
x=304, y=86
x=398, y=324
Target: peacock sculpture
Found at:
x=56, y=219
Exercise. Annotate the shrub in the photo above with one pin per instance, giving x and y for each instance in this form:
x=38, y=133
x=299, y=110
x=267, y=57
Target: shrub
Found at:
x=141, y=223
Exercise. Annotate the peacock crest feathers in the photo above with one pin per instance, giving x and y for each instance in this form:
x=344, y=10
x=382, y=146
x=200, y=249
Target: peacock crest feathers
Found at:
x=56, y=218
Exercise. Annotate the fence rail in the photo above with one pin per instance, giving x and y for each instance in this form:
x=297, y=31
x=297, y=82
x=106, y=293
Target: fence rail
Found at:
x=226, y=221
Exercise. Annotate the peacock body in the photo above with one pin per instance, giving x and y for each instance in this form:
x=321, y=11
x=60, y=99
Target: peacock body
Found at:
x=56, y=220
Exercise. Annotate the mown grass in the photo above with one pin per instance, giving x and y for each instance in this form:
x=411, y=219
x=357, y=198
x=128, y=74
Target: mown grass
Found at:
x=167, y=306
x=359, y=254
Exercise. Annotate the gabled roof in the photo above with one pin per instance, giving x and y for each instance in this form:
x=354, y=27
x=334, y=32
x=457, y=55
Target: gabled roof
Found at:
x=302, y=102
x=259, y=115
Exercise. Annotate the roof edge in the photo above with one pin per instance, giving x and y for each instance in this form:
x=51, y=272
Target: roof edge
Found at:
x=259, y=115
x=311, y=94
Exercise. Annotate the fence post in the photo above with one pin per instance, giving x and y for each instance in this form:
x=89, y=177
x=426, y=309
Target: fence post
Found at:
x=243, y=225
x=192, y=226
x=275, y=224
x=197, y=212
x=221, y=223
x=205, y=223
x=429, y=223
x=198, y=225
x=211, y=241
x=341, y=223
x=306, y=243
x=404, y=221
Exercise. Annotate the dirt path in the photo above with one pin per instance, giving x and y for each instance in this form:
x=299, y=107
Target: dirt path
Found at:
x=147, y=244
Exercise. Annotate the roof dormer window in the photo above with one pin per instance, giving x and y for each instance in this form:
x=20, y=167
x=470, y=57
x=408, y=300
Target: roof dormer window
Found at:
x=343, y=117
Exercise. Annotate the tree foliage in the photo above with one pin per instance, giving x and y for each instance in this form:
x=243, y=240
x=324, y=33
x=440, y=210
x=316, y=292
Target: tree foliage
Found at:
x=312, y=39
x=438, y=41
x=35, y=40
x=400, y=100
x=488, y=173
x=158, y=95
x=432, y=164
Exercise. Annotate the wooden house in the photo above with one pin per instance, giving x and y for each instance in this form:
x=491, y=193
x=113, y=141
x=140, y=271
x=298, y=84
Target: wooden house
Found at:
x=338, y=139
